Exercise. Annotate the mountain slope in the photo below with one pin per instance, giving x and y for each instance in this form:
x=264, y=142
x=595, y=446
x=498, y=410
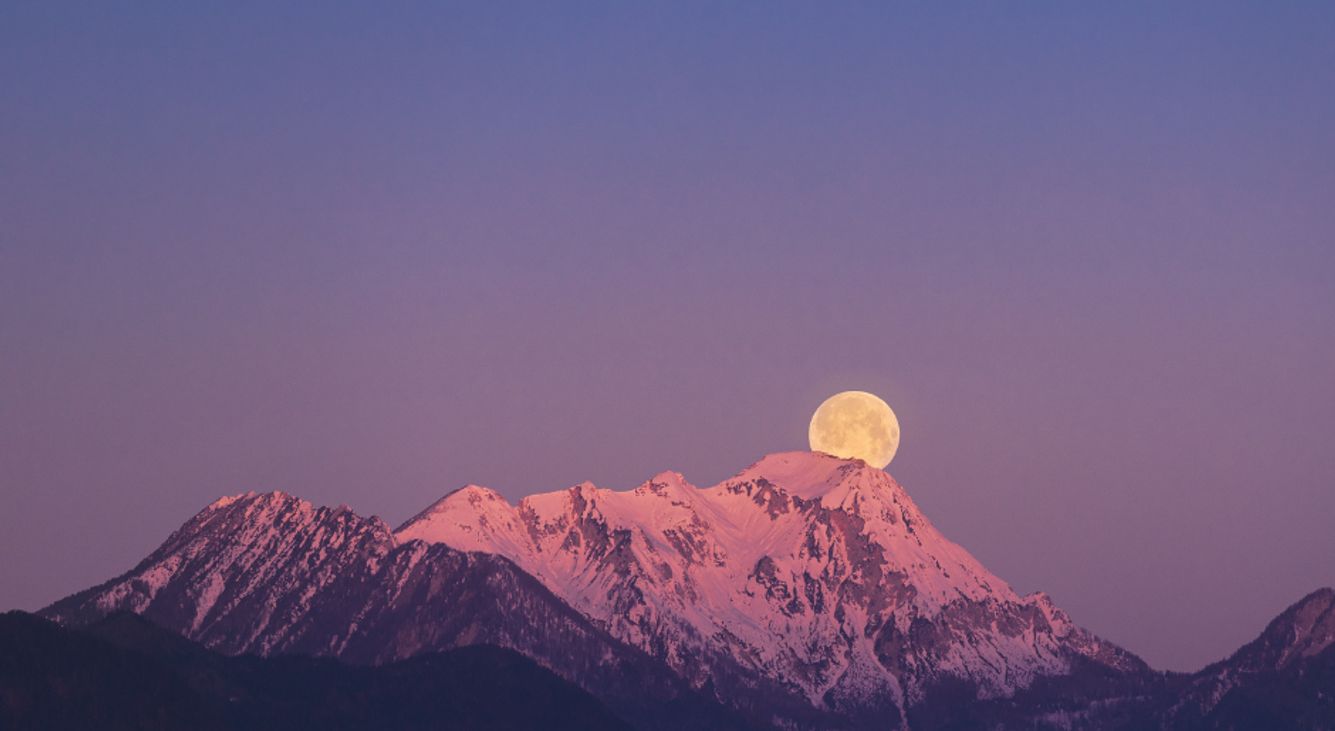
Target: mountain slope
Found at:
x=1285, y=678
x=124, y=673
x=270, y=574
x=817, y=573
x=804, y=592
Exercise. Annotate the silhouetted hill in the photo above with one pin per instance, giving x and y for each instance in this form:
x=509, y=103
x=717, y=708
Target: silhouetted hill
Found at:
x=125, y=673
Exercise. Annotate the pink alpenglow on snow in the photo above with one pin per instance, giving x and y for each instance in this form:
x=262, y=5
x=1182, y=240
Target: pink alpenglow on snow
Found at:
x=805, y=568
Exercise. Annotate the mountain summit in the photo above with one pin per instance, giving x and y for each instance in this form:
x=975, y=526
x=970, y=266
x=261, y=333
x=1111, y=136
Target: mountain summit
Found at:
x=816, y=572
x=805, y=590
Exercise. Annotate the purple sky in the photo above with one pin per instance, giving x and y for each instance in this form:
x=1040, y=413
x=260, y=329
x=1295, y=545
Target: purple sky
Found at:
x=1088, y=255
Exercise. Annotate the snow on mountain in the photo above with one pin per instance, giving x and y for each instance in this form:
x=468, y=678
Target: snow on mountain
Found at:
x=268, y=551
x=804, y=592
x=271, y=574
x=817, y=573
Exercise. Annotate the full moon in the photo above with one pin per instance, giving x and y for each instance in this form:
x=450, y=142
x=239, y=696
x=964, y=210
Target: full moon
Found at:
x=855, y=424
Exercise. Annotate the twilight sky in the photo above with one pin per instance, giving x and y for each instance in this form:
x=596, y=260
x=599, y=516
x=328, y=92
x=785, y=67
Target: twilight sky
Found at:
x=369, y=255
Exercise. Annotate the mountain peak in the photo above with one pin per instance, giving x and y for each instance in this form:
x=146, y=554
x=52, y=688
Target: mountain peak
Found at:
x=804, y=582
x=1324, y=595
x=807, y=475
x=251, y=497
x=669, y=484
x=804, y=567
x=192, y=578
x=811, y=576
x=669, y=477
x=1302, y=630
x=474, y=515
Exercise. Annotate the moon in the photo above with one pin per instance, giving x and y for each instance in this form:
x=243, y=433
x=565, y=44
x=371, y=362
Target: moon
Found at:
x=855, y=424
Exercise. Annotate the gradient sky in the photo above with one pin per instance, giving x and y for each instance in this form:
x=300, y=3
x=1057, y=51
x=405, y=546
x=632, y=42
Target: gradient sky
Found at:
x=367, y=255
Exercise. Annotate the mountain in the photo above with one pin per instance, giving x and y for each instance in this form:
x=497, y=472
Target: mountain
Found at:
x=125, y=673
x=1285, y=678
x=804, y=592
x=817, y=573
x=270, y=574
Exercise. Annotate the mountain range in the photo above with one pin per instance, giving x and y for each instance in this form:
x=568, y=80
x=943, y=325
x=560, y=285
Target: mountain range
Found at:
x=806, y=591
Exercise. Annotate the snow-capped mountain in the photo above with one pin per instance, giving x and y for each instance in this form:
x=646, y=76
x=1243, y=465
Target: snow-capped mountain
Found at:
x=271, y=574
x=805, y=591
x=817, y=572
